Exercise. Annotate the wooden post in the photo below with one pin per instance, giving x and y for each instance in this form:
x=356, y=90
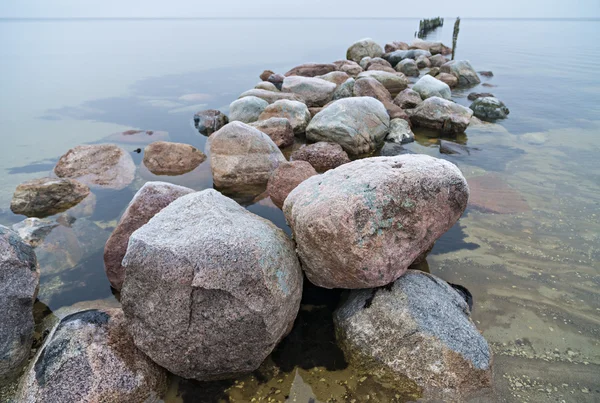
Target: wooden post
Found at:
x=455, y=35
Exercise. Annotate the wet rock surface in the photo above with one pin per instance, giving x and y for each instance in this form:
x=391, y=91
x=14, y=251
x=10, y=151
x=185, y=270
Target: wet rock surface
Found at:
x=393, y=209
x=463, y=71
x=216, y=311
x=285, y=179
x=209, y=121
x=428, y=87
x=166, y=158
x=489, y=109
x=400, y=132
x=322, y=155
x=442, y=115
x=47, y=196
x=278, y=129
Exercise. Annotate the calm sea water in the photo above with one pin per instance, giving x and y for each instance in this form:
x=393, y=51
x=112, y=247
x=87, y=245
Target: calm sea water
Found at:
x=534, y=273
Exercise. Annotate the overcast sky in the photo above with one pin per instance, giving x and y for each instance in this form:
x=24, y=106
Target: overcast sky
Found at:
x=300, y=8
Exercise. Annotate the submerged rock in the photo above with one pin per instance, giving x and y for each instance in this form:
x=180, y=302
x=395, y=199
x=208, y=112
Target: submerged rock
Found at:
x=47, y=196
x=358, y=124
x=450, y=147
x=322, y=155
x=363, y=48
x=489, y=108
x=428, y=87
x=278, y=129
x=349, y=67
x=393, y=82
x=462, y=70
x=408, y=67
x=247, y=109
x=313, y=91
x=270, y=96
x=408, y=99
x=392, y=210
x=442, y=115
x=400, y=132
x=241, y=155
x=149, y=200
x=19, y=275
x=295, y=112
x=166, y=158
x=491, y=194
x=285, y=179
x=209, y=121
x=90, y=357
x=98, y=166
x=417, y=333
x=474, y=95
x=486, y=73
x=311, y=69
x=211, y=288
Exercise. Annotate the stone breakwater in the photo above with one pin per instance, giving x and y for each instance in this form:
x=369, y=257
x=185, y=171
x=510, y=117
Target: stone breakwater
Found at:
x=209, y=289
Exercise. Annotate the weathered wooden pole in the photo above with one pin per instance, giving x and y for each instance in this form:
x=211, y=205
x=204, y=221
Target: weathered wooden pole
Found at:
x=455, y=35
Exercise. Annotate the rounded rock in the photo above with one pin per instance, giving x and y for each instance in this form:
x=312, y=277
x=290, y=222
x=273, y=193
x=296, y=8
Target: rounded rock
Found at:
x=363, y=48
x=209, y=121
x=278, y=129
x=313, y=91
x=428, y=87
x=489, y=108
x=246, y=109
x=285, y=179
x=442, y=115
x=462, y=70
x=393, y=82
x=322, y=155
x=408, y=99
x=166, y=158
x=47, y=196
x=295, y=112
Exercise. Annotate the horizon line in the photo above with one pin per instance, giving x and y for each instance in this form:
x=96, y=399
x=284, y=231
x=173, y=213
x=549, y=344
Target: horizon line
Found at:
x=289, y=18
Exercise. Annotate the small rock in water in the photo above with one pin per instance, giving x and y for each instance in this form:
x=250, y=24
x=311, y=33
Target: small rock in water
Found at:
x=47, y=196
x=285, y=179
x=400, y=132
x=423, y=62
x=137, y=137
x=392, y=149
x=474, y=95
x=450, y=147
x=209, y=121
x=322, y=155
x=278, y=129
x=488, y=85
x=489, y=109
x=166, y=158
x=486, y=73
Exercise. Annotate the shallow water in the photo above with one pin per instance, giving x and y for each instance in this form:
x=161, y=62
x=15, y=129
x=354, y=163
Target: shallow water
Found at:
x=533, y=271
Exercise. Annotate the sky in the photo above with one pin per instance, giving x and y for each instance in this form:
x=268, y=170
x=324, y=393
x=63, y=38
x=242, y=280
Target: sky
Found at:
x=299, y=8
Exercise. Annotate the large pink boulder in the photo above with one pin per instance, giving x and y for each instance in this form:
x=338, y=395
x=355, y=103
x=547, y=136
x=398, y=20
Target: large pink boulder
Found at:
x=362, y=224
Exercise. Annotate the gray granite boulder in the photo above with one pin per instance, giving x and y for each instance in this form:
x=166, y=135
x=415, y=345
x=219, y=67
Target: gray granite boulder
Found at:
x=358, y=124
x=47, y=196
x=489, y=108
x=362, y=224
x=408, y=99
x=278, y=129
x=295, y=112
x=428, y=87
x=363, y=48
x=442, y=115
x=408, y=67
x=103, y=166
x=149, y=200
x=286, y=177
x=437, y=60
x=211, y=288
x=462, y=70
x=311, y=69
x=270, y=96
x=322, y=155
x=19, y=279
x=90, y=357
x=241, y=155
x=393, y=82
x=313, y=91
x=209, y=121
x=400, y=132
x=344, y=90
x=417, y=332
x=247, y=109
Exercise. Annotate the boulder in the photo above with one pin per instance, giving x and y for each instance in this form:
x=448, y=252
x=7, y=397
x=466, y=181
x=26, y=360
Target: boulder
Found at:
x=474, y=95
x=408, y=99
x=417, y=332
x=486, y=73
x=149, y=200
x=408, y=67
x=98, y=166
x=381, y=67
x=393, y=82
x=295, y=112
x=312, y=69
x=489, y=109
x=166, y=158
x=358, y=124
x=376, y=60
x=428, y=87
x=442, y=115
x=47, y=196
x=434, y=71
x=322, y=155
x=349, y=67
x=423, y=62
x=19, y=279
x=344, y=90
x=278, y=129
x=392, y=47
x=400, y=132
x=390, y=149
x=462, y=70
x=271, y=96
x=209, y=121
x=370, y=87
x=314, y=111
x=285, y=179
x=264, y=76
x=313, y=91
x=450, y=147
x=241, y=155
x=211, y=288
x=447, y=79
x=276, y=80
x=364, y=61
x=395, y=57
x=246, y=109
x=437, y=60
x=392, y=209
x=265, y=85
x=336, y=77
x=90, y=357
x=363, y=48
